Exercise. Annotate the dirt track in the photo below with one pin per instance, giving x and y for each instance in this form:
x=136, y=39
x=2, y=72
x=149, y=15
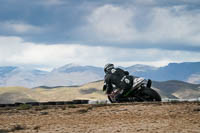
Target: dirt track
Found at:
x=136, y=117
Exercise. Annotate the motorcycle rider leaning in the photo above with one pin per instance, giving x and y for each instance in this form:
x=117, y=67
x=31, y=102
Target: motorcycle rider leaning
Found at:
x=117, y=78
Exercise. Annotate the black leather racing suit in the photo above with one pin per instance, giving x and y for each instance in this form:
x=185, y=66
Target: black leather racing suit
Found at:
x=119, y=79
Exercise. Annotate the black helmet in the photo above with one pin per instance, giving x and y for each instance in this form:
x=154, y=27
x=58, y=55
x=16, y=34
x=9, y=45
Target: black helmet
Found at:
x=108, y=67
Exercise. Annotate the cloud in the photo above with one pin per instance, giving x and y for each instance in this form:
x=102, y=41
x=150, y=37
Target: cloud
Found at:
x=172, y=25
x=50, y=2
x=111, y=23
x=53, y=1
x=138, y=24
x=164, y=3
x=123, y=32
x=20, y=27
x=15, y=51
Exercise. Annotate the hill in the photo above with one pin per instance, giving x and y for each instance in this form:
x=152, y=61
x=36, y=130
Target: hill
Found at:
x=20, y=94
x=177, y=89
x=92, y=91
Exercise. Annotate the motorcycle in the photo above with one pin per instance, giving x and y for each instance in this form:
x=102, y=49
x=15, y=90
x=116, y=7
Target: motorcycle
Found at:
x=141, y=91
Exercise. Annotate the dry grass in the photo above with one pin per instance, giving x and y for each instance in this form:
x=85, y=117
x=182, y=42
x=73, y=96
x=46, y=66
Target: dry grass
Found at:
x=56, y=94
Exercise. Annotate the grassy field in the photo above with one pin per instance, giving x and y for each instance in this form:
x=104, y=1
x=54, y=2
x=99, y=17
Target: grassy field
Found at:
x=90, y=91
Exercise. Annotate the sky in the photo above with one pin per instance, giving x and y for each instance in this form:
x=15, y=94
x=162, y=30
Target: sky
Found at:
x=45, y=34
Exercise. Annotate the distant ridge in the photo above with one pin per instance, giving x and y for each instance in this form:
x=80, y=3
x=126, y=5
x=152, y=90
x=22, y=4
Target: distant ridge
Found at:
x=187, y=71
x=76, y=75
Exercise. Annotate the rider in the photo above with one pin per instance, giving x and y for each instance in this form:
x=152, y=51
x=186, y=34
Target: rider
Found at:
x=117, y=78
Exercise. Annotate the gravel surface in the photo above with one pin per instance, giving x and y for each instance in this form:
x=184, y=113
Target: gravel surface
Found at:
x=111, y=118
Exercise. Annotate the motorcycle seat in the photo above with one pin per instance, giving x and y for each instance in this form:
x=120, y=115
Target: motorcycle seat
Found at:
x=137, y=82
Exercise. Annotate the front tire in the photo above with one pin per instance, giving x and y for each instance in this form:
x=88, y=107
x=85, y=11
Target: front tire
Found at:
x=148, y=94
x=110, y=99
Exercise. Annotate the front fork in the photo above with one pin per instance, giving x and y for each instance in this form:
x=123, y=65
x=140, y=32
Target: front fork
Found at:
x=114, y=94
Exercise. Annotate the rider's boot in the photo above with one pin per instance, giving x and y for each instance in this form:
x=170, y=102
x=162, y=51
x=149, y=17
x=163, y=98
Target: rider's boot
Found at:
x=149, y=82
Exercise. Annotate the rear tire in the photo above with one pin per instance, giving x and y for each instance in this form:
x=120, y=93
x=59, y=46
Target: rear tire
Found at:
x=150, y=95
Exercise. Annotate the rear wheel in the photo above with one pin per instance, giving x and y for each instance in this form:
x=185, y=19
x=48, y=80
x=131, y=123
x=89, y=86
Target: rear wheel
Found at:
x=149, y=94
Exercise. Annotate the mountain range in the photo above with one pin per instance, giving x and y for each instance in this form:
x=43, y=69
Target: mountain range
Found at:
x=70, y=74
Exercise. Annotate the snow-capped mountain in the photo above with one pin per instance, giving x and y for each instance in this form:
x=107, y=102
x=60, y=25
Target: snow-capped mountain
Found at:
x=140, y=68
x=69, y=68
x=73, y=75
x=3, y=72
x=6, y=69
x=67, y=75
x=22, y=77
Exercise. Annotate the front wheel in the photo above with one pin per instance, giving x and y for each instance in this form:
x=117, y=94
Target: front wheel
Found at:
x=110, y=99
x=148, y=94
